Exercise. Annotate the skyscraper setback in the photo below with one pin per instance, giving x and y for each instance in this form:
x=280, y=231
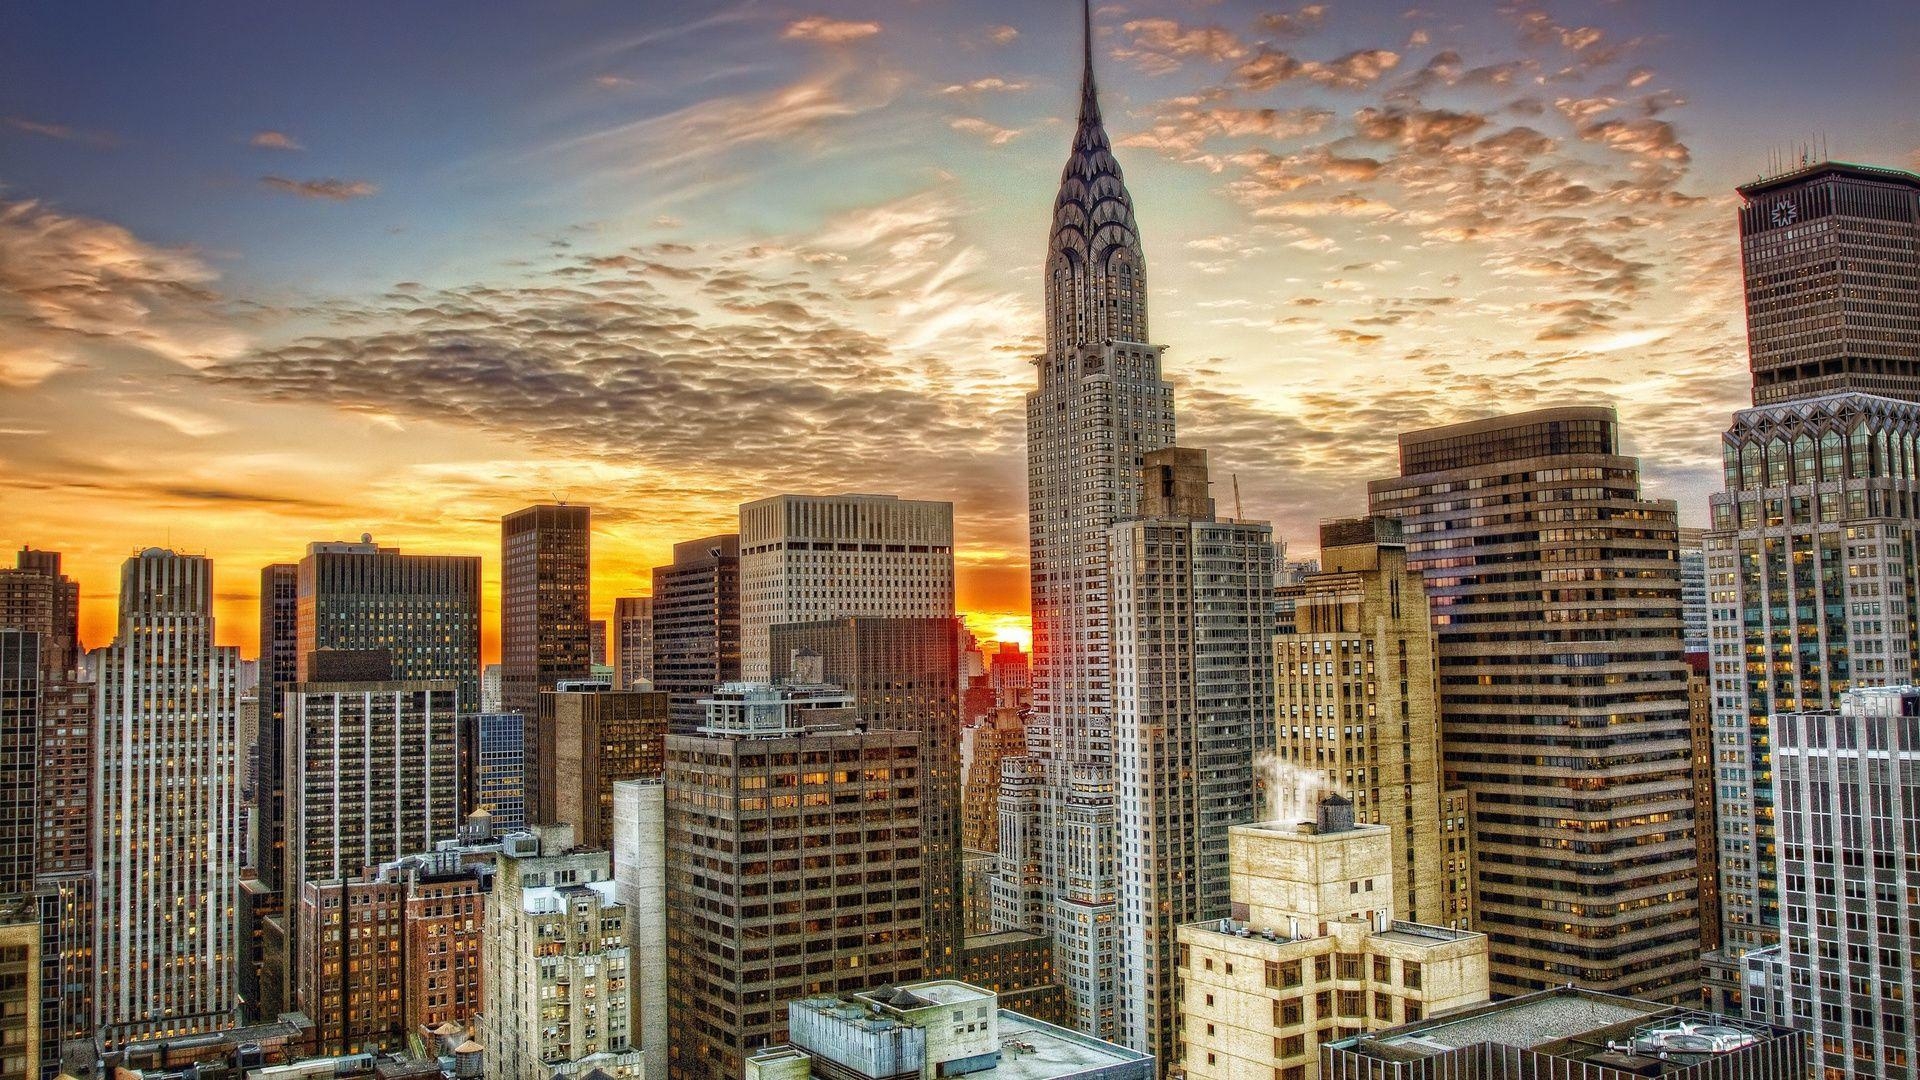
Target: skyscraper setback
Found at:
x=545, y=598
x=1101, y=405
x=1555, y=591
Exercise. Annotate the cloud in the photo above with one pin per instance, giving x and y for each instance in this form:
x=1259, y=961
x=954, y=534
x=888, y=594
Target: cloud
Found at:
x=678, y=145
x=828, y=31
x=612, y=82
x=1158, y=46
x=991, y=84
x=324, y=188
x=1002, y=35
x=73, y=286
x=274, y=140
x=61, y=132
x=869, y=351
x=1297, y=24
x=993, y=133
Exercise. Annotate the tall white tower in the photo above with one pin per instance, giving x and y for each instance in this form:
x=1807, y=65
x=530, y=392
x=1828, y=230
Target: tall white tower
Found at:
x=167, y=795
x=1100, y=408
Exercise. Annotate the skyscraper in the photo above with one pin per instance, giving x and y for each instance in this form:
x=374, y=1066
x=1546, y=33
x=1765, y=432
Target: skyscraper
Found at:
x=501, y=778
x=279, y=668
x=632, y=633
x=584, y=741
x=22, y=684
x=1832, y=287
x=372, y=775
x=423, y=611
x=808, y=558
x=1193, y=705
x=777, y=891
x=696, y=624
x=545, y=597
x=1693, y=589
x=1849, y=784
x=1811, y=557
x=1359, y=706
x=559, y=987
x=46, y=796
x=1101, y=405
x=167, y=788
x=1555, y=591
x=903, y=674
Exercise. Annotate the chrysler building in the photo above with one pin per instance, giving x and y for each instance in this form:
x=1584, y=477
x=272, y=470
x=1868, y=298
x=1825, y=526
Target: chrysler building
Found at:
x=1100, y=407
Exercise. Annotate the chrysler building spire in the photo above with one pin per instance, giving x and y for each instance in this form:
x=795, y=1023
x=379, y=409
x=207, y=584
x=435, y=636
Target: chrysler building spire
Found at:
x=1096, y=272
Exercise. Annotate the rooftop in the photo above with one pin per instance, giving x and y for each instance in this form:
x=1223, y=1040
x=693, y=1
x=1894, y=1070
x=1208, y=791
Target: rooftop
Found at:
x=1579, y=1025
x=1033, y=1050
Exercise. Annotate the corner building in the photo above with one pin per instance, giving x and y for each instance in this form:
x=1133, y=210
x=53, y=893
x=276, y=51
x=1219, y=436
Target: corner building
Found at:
x=1555, y=591
x=1100, y=407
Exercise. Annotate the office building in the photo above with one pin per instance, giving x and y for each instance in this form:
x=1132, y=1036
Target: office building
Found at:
x=632, y=635
x=1009, y=673
x=545, y=597
x=559, y=993
x=46, y=792
x=811, y=558
x=597, y=644
x=640, y=882
x=1100, y=406
x=406, y=962
x=1570, y=1033
x=21, y=991
x=903, y=673
x=1849, y=788
x=372, y=774
x=1555, y=592
x=1193, y=705
x=583, y=742
x=423, y=611
x=696, y=624
x=22, y=683
x=501, y=783
x=279, y=665
x=1832, y=288
x=778, y=890
x=490, y=688
x=1358, y=708
x=1706, y=799
x=999, y=737
x=1312, y=950
x=168, y=853
x=1693, y=590
x=372, y=771
x=38, y=598
x=1812, y=541
x=935, y=1028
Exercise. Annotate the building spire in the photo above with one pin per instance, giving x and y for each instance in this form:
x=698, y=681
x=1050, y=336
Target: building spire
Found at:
x=1089, y=93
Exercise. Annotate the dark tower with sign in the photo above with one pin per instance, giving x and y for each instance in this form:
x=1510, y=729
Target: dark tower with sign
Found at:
x=1832, y=259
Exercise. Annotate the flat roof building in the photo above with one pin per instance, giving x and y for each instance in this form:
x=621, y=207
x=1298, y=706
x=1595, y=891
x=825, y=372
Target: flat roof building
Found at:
x=940, y=1028
x=1571, y=1034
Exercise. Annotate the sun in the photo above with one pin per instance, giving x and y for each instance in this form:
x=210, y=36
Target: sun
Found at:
x=992, y=626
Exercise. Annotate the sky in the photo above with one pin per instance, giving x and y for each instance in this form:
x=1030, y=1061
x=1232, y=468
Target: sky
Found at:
x=272, y=274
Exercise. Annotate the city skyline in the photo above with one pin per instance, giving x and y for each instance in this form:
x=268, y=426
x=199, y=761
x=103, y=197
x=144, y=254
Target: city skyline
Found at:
x=1536, y=204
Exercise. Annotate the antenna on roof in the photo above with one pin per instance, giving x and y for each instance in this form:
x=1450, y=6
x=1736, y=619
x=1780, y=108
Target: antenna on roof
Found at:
x=1237, y=515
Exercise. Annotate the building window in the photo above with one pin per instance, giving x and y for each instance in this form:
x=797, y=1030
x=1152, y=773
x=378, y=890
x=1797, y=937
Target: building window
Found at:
x=1382, y=970
x=1410, y=974
x=1351, y=1003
